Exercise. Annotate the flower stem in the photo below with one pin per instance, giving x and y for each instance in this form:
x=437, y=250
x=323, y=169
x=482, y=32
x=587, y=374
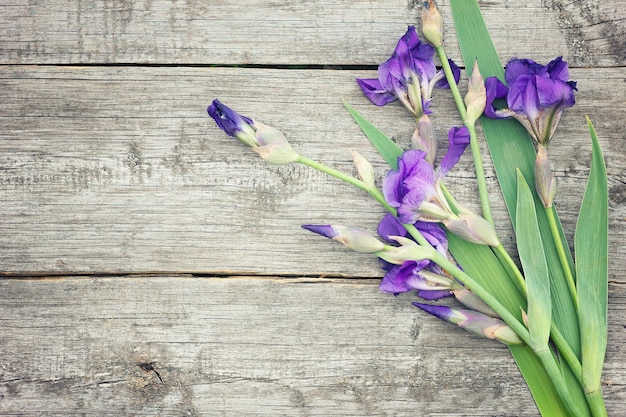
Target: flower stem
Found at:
x=566, y=352
x=514, y=271
x=478, y=163
x=596, y=403
x=373, y=191
x=560, y=249
x=454, y=89
x=554, y=372
x=480, y=175
x=483, y=294
x=545, y=355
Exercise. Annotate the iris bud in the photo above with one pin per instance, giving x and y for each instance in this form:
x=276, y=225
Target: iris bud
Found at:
x=355, y=239
x=432, y=24
x=476, y=96
x=544, y=178
x=364, y=168
x=473, y=228
x=474, y=322
x=273, y=146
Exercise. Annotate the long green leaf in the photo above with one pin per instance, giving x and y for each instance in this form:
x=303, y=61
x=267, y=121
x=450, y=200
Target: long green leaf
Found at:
x=510, y=149
x=533, y=260
x=387, y=148
x=481, y=263
x=591, y=248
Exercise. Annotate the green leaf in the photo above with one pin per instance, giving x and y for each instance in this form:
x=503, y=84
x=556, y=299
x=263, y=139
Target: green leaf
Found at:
x=530, y=249
x=387, y=148
x=511, y=148
x=591, y=248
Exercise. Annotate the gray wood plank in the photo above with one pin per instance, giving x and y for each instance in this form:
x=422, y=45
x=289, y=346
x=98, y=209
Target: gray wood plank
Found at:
x=335, y=32
x=119, y=169
x=246, y=346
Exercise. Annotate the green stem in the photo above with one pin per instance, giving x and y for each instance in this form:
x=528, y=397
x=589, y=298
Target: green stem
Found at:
x=478, y=163
x=373, y=191
x=596, y=403
x=509, y=264
x=480, y=174
x=560, y=249
x=483, y=294
x=454, y=89
x=566, y=352
x=554, y=372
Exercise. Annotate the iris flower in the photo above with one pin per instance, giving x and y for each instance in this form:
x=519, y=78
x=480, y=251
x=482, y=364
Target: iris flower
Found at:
x=430, y=281
x=536, y=95
x=268, y=142
x=415, y=190
x=409, y=75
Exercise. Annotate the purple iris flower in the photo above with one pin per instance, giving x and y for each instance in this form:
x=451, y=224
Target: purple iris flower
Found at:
x=409, y=75
x=536, y=95
x=415, y=190
x=414, y=187
x=426, y=277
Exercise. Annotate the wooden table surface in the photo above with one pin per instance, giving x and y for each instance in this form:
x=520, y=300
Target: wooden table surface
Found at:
x=153, y=266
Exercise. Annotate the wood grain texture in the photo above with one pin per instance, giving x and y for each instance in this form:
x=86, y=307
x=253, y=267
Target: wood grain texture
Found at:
x=246, y=346
x=293, y=32
x=120, y=169
x=183, y=283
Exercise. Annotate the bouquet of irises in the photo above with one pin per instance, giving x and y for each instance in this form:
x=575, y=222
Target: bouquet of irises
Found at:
x=551, y=310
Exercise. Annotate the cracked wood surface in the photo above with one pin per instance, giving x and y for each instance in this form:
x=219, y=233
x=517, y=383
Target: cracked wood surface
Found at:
x=114, y=181
x=251, y=346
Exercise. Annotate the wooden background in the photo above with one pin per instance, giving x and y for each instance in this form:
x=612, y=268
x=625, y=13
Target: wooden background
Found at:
x=153, y=266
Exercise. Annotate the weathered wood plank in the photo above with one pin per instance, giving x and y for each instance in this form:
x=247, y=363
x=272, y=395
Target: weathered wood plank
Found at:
x=120, y=169
x=253, y=347
x=334, y=32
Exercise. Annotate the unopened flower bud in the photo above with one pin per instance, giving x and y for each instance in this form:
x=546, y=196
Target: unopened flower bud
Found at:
x=364, y=168
x=273, y=146
x=432, y=24
x=545, y=182
x=476, y=96
x=232, y=123
x=423, y=138
x=473, y=228
x=471, y=300
x=355, y=239
x=474, y=322
x=407, y=251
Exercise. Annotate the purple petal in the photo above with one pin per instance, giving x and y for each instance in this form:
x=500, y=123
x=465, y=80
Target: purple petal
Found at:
x=434, y=234
x=442, y=312
x=554, y=93
x=227, y=119
x=325, y=230
x=390, y=226
x=495, y=90
x=408, y=211
x=394, y=182
x=403, y=278
x=434, y=294
x=458, y=138
x=558, y=69
x=392, y=188
x=375, y=92
x=516, y=68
